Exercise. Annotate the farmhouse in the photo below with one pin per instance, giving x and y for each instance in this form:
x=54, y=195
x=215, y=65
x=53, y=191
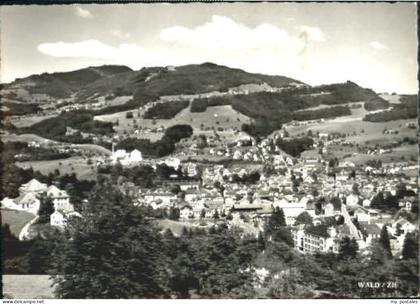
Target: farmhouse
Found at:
x=126, y=158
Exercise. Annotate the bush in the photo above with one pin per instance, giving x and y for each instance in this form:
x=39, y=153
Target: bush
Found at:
x=166, y=110
x=198, y=105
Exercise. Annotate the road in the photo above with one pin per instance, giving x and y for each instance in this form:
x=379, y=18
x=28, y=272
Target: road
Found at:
x=23, y=235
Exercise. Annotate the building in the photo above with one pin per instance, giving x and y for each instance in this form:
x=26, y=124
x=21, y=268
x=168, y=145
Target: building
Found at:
x=30, y=196
x=33, y=186
x=186, y=212
x=315, y=238
x=60, y=199
x=28, y=202
x=126, y=158
x=291, y=209
x=60, y=218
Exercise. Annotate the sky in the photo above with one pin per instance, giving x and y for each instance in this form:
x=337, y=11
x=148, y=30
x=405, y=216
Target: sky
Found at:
x=372, y=44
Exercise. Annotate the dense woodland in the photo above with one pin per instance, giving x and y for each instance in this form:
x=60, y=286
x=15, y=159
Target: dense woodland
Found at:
x=166, y=110
x=82, y=120
x=406, y=109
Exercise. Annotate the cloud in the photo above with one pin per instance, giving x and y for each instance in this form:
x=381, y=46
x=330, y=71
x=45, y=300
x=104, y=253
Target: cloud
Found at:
x=378, y=46
x=131, y=54
x=83, y=49
x=120, y=34
x=312, y=33
x=225, y=33
x=83, y=13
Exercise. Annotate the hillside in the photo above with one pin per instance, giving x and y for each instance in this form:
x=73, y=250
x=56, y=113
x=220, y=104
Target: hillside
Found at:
x=56, y=85
x=163, y=92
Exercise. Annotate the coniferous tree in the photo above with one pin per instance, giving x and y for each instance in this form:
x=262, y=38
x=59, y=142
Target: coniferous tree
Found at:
x=112, y=251
x=384, y=241
x=348, y=248
x=410, y=248
x=46, y=208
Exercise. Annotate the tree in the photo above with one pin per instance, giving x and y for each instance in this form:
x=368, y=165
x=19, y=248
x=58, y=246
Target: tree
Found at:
x=348, y=248
x=277, y=219
x=378, y=201
x=410, y=248
x=174, y=213
x=46, y=208
x=276, y=227
x=384, y=241
x=112, y=251
x=216, y=215
x=203, y=213
x=260, y=241
x=6, y=234
x=303, y=218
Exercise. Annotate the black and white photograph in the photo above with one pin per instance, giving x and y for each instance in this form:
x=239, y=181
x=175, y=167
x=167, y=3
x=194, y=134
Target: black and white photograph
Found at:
x=209, y=150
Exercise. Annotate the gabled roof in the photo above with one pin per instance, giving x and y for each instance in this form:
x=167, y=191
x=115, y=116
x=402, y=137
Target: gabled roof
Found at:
x=55, y=192
x=402, y=221
x=247, y=206
x=33, y=186
x=25, y=198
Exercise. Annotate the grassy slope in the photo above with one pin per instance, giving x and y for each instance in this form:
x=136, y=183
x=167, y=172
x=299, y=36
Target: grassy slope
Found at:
x=70, y=165
x=16, y=219
x=27, y=287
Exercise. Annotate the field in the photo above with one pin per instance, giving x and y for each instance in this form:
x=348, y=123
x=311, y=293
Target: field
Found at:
x=27, y=287
x=16, y=219
x=28, y=120
x=406, y=152
x=77, y=165
x=219, y=116
x=359, y=131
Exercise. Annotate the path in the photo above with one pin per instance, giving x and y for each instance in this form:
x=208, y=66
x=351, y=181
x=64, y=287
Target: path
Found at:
x=25, y=230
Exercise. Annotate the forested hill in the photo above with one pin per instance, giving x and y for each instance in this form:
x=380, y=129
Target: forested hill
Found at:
x=269, y=100
x=58, y=85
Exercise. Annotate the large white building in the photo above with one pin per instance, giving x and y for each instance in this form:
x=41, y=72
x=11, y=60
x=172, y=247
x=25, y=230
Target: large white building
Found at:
x=126, y=158
x=30, y=196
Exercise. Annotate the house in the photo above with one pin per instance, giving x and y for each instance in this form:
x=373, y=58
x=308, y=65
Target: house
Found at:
x=190, y=169
x=186, y=212
x=60, y=218
x=60, y=198
x=33, y=186
x=370, y=232
x=166, y=198
x=311, y=238
x=172, y=162
x=192, y=184
x=191, y=194
x=352, y=199
x=126, y=158
x=27, y=202
x=404, y=225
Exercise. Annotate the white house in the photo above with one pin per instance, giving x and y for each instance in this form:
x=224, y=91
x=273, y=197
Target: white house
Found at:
x=126, y=158
x=33, y=186
x=352, y=199
x=186, y=212
x=27, y=202
x=404, y=225
x=60, y=198
x=60, y=218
